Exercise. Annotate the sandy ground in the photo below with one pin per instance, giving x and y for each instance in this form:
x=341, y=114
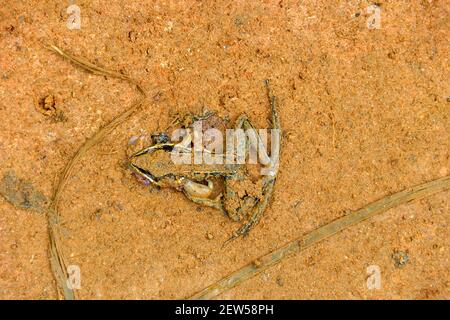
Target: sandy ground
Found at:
x=365, y=113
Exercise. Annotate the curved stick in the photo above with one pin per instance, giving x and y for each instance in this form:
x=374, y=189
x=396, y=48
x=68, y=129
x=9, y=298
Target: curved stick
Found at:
x=57, y=259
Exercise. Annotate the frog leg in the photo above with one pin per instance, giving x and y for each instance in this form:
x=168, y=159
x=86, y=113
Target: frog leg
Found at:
x=256, y=211
x=234, y=206
x=273, y=106
x=244, y=123
x=251, y=207
x=268, y=181
x=199, y=193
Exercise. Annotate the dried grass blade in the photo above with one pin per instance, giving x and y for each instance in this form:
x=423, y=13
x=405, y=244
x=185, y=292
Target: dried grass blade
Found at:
x=320, y=234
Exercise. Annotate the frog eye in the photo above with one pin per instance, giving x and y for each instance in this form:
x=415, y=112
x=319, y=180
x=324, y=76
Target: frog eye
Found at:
x=158, y=138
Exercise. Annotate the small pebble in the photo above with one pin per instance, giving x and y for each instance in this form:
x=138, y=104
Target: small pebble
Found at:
x=238, y=22
x=400, y=258
x=280, y=281
x=209, y=236
x=257, y=263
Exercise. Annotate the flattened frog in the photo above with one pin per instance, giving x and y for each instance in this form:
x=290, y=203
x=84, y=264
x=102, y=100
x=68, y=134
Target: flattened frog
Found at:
x=224, y=186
